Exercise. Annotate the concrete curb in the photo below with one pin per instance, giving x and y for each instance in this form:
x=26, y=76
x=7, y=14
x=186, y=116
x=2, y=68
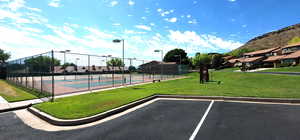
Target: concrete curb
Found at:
x=61, y=122
x=15, y=108
x=250, y=99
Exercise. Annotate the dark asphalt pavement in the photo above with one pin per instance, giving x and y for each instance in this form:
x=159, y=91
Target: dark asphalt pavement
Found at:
x=247, y=121
x=176, y=120
x=162, y=119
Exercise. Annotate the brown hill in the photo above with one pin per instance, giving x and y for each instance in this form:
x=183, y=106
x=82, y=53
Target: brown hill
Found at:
x=273, y=39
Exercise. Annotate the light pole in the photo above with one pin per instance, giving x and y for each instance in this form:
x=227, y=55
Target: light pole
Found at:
x=106, y=56
x=130, y=59
x=161, y=67
x=76, y=68
x=65, y=51
x=179, y=62
x=118, y=41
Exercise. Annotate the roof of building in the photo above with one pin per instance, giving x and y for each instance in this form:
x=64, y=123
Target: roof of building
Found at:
x=234, y=60
x=251, y=59
x=274, y=58
x=276, y=50
x=158, y=62
x=293, y=55
x=291, y=45
x=228, y=57
x=261, y=51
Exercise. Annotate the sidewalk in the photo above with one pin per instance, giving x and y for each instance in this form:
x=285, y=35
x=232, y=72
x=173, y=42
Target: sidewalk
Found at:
x=6, y=106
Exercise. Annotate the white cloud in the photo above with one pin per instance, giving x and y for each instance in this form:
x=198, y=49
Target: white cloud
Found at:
x=232, y=0
x=34, y=9
x=164, y=13
x=143, y=18
x=131, y=3
x=16, y=4
x=188, y=16
x=244, y=26
x=195, y=40
x=116, y=24
x=54, y=3
x=143, y=27
x=133, y=32
x=114, y=3
x=152, y=24
x=194, y=21
x=174, y=19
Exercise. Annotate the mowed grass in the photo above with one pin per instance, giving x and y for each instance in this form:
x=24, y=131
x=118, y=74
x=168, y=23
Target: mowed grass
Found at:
x=12, y=93
x=232, y=84
x=285, y=69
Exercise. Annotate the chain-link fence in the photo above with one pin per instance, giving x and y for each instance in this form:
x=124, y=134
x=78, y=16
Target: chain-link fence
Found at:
x=61, y=72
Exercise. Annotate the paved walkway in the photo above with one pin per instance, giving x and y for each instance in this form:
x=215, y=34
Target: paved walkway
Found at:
x=255, y=70
x=5, y=105
x=285, y=73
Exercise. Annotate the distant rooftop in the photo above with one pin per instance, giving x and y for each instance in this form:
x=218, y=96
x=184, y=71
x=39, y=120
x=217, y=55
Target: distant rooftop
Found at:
x=262, y=51
x=292, y=45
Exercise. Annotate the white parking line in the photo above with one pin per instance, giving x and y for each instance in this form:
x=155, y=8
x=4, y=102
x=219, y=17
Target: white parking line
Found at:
x=201, y=121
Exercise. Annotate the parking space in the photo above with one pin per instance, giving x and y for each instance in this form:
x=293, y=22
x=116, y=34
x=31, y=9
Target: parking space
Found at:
x=249, y=121
x=178, y=120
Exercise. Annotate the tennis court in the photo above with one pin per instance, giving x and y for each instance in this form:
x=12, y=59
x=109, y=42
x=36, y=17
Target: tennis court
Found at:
x=65, y=84
x=56, y=73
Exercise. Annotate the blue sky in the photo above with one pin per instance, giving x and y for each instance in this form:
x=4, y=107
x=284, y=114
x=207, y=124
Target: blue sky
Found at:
x=29, y=27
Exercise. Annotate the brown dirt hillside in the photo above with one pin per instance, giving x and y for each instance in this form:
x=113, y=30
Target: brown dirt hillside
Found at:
x=273, y=39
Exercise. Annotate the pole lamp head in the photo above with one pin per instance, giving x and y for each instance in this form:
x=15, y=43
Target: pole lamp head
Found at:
x=117, y=41
x=156, y=50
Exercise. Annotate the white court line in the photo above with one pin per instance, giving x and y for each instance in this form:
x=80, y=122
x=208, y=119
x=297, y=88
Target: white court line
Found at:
x=201, y=121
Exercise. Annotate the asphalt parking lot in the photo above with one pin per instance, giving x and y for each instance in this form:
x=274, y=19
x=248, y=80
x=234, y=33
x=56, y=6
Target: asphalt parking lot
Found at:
x=178, y=120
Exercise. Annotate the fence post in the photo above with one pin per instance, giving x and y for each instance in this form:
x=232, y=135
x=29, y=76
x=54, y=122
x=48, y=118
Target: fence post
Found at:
x=52, y=74
x=21, y=75
x=26, y=74
x=32, y=79
x=89, y=74
x=130, y=60
x=143, y=72
x=113, y=76
x=40, y=74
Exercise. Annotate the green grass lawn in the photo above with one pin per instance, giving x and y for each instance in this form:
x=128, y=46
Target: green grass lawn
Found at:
x=232, y=84
x=284, y=69
x=12, y=93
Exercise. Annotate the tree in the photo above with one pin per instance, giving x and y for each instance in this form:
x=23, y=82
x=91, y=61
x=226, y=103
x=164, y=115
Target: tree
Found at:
x=41, y=63
x=174, y=56
x=132, y=68
x=239, y=52
x=3, y=56
x=201, y=60
x=65, y=65
x=295, y=39
x=115, y=62
x=217, y=61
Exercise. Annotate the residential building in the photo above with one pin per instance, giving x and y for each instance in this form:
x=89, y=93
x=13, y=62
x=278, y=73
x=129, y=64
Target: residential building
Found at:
x=291, y=48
